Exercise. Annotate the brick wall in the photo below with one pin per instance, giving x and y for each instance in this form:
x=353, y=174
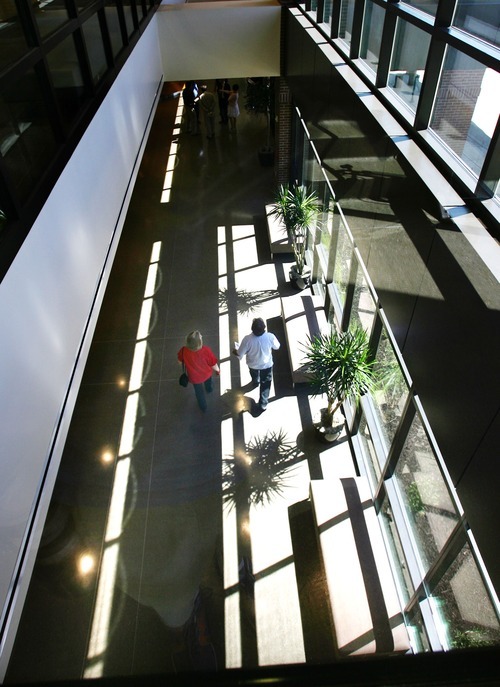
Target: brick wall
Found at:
x=455, y=105
x=283, y=137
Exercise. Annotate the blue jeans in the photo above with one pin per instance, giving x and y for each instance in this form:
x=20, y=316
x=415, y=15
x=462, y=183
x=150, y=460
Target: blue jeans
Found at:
x=199, y=390
x=264, y=378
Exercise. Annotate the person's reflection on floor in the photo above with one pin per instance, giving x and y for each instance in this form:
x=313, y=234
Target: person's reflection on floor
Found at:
x=166, y=550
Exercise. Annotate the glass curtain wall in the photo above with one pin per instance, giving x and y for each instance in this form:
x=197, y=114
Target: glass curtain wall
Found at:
x=56, y=60
x=448, y=601
x=439, y=62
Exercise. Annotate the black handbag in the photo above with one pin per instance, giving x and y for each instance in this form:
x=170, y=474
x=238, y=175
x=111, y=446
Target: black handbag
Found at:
x=183, y=379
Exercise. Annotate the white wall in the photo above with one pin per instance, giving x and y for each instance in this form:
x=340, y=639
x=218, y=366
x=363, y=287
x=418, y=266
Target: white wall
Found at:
x=46, y=300
x=212, y=40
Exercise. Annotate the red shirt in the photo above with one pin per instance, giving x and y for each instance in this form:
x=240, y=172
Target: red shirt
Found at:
x=198, y=363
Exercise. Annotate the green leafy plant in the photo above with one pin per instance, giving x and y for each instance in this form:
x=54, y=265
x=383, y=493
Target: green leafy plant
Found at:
x=298, y=209
x=464, y=639
x=414, y=499
x=340, y=366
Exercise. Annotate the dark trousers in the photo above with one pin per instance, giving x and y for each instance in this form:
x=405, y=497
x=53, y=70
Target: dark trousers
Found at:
x=199, y=390
x=264, y=378
x=223, y=110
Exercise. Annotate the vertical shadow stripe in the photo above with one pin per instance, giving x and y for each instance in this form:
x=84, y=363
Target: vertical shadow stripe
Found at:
x=384, y=640
x=311, y=316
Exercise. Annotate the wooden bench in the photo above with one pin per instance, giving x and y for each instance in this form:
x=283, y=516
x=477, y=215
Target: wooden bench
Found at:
x=277, y=233
x=365, y=609
x=303, y=315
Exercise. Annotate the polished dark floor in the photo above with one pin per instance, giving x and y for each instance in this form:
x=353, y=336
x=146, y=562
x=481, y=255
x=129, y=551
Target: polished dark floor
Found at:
x=190, y=561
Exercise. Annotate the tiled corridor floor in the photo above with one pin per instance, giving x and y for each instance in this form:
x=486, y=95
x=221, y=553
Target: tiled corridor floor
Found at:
x=155, y=500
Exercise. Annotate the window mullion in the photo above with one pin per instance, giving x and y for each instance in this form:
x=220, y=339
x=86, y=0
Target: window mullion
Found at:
x=387, y=42
x=320, y=11
x=444, y=12
x=400, y=437
x=454, y=544
x=335, y=18
x=357, y=28
x=430, y=83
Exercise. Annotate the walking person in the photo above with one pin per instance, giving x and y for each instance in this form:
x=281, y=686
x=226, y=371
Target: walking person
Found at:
x=200, y=362
x=223, y=88
x=233, y=108
x=258, y=348
x=191, y=106
x=207, y=106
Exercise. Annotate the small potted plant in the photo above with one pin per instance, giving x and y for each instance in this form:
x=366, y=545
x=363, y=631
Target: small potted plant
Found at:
x=340, y=366
x=298, y=209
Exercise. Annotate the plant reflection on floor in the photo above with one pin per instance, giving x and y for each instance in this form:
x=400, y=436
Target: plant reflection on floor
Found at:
x=261, y=473
x=244, y=301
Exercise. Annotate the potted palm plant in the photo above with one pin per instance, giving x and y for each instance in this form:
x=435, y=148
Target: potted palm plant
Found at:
x=298, y=209
x=340, y=366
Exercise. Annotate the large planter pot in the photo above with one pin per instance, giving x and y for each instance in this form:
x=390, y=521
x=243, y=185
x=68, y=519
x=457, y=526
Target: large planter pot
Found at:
x=266, y=156
x=300, y=280
x=327, y=429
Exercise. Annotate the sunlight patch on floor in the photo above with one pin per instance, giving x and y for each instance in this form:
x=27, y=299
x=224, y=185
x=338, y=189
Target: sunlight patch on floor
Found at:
x=172, y=158
x=259, y=574
x=245, y=254
x=278, y=619
x=101, y=621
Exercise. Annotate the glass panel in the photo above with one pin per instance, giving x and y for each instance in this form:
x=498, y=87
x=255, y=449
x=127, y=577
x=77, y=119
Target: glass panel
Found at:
x=464, y=608
x=114, y=29
x=426, y=499
x=129, y=16
x=95, y=48
x=408, y=60
x=391, y=391
x=317, y=181
x=321, y=283
x=396, y=552
x=13, y=42
x=492, y=170
x=370, y=457
x=343, y=259
x=327, y=11
x=27, y=142
x=467, y=107
x=480, y=18
x=429, y=6
x=142, y=9
x=371, y=37
x=346, y=18
x=314, y=181
x=309, y=164
x=66, y=78
x=327, y=220
x=50, y=15
x=363, y=307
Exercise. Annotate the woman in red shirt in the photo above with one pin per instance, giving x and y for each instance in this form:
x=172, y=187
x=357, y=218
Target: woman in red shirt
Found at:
x=199, y=361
